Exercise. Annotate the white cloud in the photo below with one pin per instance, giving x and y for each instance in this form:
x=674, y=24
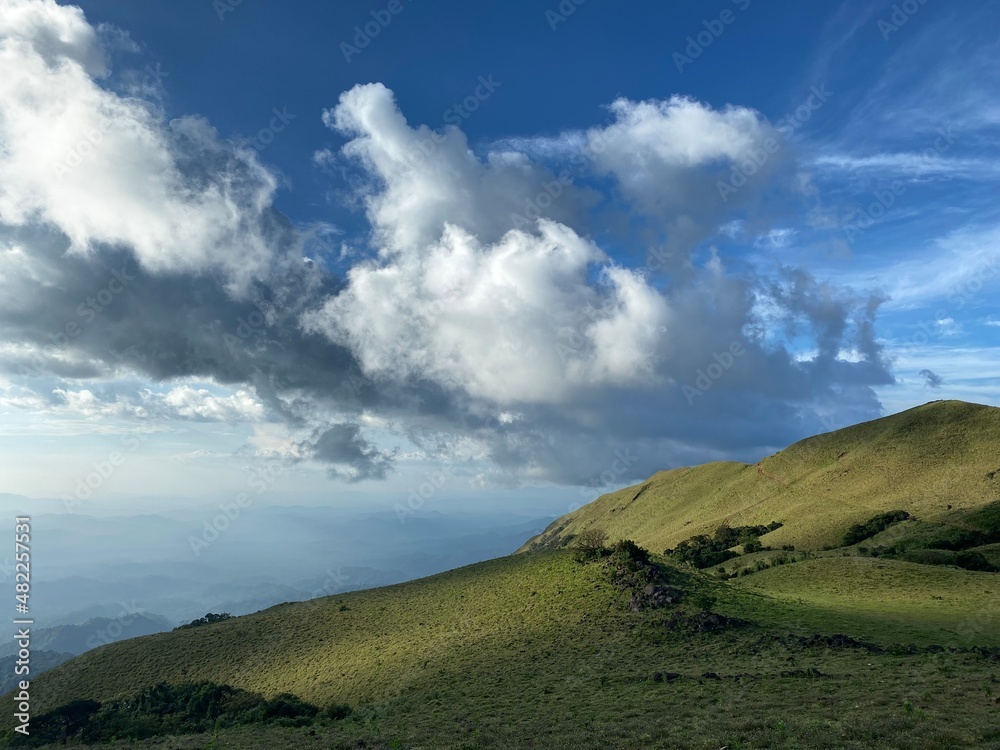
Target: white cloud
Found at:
x=488, y=322
x=53, y=32
x=670, y=156
x=200, y=404
x=540, y=321
x=776, y=238
x=423, y=179
x=652, y=137
x=514, y=321
x=182, y=402
x=911, y=164
x=461, y=299
x=953, y=271
x=106, y=169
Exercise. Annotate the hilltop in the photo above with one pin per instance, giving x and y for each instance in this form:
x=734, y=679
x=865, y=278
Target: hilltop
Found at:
x=865, y=635
x=929, y=460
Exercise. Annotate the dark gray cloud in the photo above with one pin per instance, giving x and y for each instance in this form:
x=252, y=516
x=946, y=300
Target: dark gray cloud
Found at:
x=529, y=351
x=932, y=379
x=342, y=446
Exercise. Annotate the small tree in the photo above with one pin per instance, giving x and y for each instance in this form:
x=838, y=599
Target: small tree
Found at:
x=590, y=543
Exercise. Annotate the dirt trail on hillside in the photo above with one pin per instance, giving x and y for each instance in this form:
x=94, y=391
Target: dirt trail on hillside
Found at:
x=764, y=473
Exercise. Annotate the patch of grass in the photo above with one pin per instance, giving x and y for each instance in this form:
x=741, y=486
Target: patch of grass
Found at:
x=887, y=601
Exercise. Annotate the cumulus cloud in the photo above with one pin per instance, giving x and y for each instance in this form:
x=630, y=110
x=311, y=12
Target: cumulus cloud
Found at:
x=655, y=148
x=487, y=324
x=419, y=179
x=517, y=321
x=110, y=170
x=541, y=319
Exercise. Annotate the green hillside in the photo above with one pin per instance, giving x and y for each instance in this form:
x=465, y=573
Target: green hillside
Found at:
x=883, y=642
x=940, y=456
x=541, y=648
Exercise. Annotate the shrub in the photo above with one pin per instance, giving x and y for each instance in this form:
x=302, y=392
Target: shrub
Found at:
x=974, y=561
x=704, y=552
x=172, y=709
x=206, y=620
x=871, y=527
x=630, y=554
x=961, y=539
x=589, y=544
x=337, y=711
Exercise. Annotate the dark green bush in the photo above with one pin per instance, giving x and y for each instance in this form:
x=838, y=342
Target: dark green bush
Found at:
x=630, y=554
x=337, y=711
x=704, y=552
x=873, y=526
x=173, y=709
x=974, y=561
x=206, y=620
x=957, y=539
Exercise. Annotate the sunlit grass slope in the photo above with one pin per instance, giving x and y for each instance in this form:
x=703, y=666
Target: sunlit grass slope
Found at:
x=363, y=646
x=537, y=650
x=945, y=453
x=874, y=599
x=540, y=650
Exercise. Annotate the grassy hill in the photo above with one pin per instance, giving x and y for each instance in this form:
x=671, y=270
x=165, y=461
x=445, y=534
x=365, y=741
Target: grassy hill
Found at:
x=542, y=650
x=940, y=456
x=824, y=646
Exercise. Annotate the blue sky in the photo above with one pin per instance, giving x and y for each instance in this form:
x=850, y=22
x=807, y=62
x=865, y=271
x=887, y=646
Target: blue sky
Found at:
x=508, y=240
